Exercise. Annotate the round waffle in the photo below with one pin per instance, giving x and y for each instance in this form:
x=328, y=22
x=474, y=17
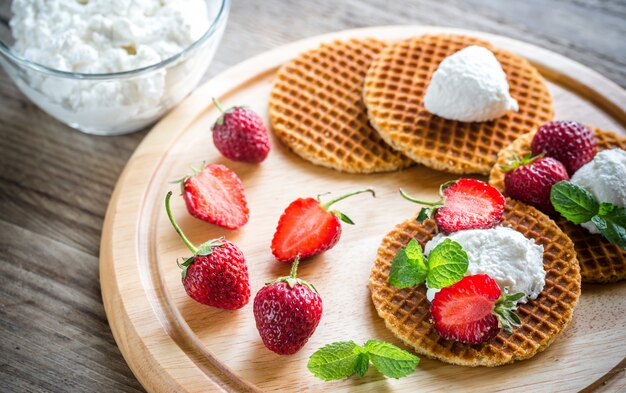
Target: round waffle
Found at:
x=316, y=109
x=600, y=261
x=396, y=83
x=406, y=311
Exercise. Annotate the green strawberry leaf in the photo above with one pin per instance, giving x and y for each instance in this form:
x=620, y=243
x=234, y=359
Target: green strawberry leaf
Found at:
x=186, y=263
x=612, y=226
x=207, y=248
x=391, y=360
x=343, y=217
x=447, y=264
x=425, y=213
x=334, y=361
x=362, y=363
x=573, y=202
x=408, y=268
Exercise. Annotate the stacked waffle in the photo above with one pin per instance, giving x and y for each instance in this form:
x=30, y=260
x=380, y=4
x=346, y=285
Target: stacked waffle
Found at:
x=357, y=106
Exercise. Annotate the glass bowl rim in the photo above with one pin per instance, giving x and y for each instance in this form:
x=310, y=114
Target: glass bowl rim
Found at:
x=22, y=61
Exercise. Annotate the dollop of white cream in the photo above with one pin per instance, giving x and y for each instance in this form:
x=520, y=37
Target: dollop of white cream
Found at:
x=469, y=86
x=503, y=254
x=605, y=178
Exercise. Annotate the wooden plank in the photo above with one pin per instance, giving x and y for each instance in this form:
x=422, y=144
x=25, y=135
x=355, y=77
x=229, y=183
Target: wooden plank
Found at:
x=55, y=182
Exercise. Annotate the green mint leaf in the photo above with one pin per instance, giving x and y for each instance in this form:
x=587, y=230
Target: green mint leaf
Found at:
x=613, y=226
x=408, y=268
x=447, y=264
x=391, y=360
x=334, y=361
x=573, y=202
x=362, y=363
x=605, y=208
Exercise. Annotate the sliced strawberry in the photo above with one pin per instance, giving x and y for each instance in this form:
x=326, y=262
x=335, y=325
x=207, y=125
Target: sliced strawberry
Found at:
x=307, y=228
x=464, y=204
x=215, y=194
x=473, y=310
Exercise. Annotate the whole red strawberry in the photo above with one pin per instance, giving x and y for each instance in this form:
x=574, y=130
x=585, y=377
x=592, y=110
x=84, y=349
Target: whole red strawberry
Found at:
x=570, y=142
x=287, y=312
x=215, y=194
x=464, y=204
x=530, y=180
x=240, y=135
x=473, y=310
x=216, y=274
x=307, y=228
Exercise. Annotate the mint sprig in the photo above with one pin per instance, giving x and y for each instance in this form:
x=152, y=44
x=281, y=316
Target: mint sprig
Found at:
x=446, y=265
x=391, y=360
x=408, y=268
x=344, y=358
x=573, y=202
x=578, y=206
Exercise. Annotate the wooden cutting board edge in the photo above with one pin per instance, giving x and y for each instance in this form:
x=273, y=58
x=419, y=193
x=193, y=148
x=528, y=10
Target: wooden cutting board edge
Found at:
x=143, y=348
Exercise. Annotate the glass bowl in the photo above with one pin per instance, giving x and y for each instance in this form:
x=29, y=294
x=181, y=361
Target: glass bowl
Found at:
x=134, y=98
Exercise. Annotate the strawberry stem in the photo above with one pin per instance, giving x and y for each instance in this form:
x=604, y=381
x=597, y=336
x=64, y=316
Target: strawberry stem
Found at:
x=217, y=104
x=421, y=202
x=294, y=266
x=326, y=205
x=176, y=227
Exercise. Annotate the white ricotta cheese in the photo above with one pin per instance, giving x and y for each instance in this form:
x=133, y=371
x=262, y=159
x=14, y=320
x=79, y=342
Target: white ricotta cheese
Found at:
x=605, y=178
x=503, y=254
x=105, y=36
x=109, y=36
x=469, y=86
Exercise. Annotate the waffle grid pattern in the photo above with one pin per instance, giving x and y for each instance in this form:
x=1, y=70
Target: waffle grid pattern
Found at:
x=396, y=83
x=406, y=311
x=600, y=261
x=316, y=109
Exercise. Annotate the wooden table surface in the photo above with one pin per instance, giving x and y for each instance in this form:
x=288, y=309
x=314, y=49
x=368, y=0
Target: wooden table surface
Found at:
x=55, y=182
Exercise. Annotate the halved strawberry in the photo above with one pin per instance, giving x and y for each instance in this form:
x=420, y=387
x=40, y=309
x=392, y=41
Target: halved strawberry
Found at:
x=464, y=204
x=215, y=194
x=307, y=228
x=473, y=310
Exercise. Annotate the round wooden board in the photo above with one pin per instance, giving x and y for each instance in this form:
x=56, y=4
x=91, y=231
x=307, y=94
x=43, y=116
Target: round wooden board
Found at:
x=175, y=344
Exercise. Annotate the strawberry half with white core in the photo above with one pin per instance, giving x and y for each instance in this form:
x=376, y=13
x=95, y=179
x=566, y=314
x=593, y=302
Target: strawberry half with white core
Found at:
x=473, y=310
x=216, y=274
x=307, y=227
x=214, y=194
x=464, y=204
x=287, y=312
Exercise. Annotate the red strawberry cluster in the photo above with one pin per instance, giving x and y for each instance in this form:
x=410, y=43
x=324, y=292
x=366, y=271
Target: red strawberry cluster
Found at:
x=559, y=149
x=287, y=310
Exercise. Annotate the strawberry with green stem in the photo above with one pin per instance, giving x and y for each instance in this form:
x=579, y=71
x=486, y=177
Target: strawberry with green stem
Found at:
x=464, y=204
x=216, y=274
x=287, y=311
x=240, y=135
x=529, y=179
x=308, y=227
